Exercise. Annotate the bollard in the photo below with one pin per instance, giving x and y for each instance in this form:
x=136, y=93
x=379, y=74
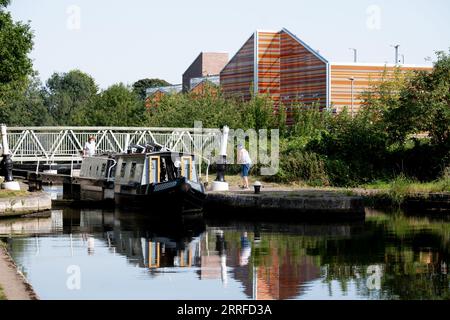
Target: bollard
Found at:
x=257, y=186
x=6, y=164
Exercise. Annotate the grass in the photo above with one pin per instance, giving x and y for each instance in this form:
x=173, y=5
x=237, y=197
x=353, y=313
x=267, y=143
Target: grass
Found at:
x=2, y=295
x=9, y=193
x=404, y=185
x=401, y=187
x=392, y=192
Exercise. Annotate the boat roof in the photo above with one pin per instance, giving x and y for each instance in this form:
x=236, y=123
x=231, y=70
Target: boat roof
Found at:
x=156, y=153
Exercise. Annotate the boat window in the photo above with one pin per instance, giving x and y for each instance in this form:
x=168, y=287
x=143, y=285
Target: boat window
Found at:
x=154, y=170
x=133, y=170
x=122, y=169
x=103, y=172
x=186, y=167
x=194, y=172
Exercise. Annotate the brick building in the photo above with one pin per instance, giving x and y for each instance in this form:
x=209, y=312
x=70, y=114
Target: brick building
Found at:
x=206, y=64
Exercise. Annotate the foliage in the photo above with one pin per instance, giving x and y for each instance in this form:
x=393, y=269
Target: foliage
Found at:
x=402, y=130
x=140, y=86
x=424, y=105
x=301, y=167
x=26, y=107
x=16, y=42
x=68, y=97
x=182, y=110
x=116, y=106
x=259, y=113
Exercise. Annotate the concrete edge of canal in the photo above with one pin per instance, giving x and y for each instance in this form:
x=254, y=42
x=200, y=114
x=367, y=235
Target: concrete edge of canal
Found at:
x=318, y=205
x=14, y=284
x=26, y=204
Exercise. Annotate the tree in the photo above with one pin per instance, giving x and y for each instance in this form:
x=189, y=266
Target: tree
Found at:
x=16, y=42
x=117, y=106
x=259, y=113
x=27, y=106
x=424, y=105
x=140, y=86
x=69, y=95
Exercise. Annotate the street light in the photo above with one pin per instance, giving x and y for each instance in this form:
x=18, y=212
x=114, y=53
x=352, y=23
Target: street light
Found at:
x=352, y=79
x=396, y=53
x=355, y=54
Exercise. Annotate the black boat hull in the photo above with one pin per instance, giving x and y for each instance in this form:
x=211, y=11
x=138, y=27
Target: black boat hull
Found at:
x=179, y=198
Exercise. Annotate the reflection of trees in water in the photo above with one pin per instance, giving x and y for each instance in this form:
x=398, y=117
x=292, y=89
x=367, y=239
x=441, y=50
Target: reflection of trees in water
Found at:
x=410, y=252
x=414, y=254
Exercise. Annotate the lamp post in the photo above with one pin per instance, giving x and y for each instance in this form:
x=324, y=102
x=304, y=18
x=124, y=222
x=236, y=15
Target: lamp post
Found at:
x=396, y=53
x=355, y=54
x=352, y=79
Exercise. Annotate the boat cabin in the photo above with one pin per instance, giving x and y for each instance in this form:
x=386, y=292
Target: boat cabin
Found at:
x=135, y=170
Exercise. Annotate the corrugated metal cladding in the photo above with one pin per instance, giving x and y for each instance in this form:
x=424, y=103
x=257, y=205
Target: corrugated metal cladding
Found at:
x=286, y=70
x=293, y=74
x=237, y=76
x=364, y=77
x=303, y=74
x=269, y=64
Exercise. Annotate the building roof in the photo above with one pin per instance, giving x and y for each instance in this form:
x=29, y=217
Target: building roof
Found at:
x=166, y=89
x=214, y=79
x=204, y=62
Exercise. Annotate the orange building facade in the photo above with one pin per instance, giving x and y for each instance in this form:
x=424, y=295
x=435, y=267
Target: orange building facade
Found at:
x=281, y=65
x=363, y=76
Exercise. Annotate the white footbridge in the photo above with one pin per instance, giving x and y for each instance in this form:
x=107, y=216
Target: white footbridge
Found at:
x=65, y=144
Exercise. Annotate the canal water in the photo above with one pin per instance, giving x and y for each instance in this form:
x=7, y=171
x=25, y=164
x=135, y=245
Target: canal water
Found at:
x=114, y=254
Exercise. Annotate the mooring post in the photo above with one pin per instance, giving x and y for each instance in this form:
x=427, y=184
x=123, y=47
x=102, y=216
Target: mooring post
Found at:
x=7, y=163
x=220, y=184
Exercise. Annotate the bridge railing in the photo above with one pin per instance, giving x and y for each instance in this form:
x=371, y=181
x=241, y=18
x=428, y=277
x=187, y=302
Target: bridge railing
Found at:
x=52, y=144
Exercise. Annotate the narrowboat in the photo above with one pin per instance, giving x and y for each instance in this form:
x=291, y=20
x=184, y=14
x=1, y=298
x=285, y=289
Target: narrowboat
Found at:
x=146, y=177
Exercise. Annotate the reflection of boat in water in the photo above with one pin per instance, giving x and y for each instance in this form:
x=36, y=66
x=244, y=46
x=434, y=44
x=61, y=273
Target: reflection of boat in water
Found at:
x=161, y=243
x=147, y=240
x=146, y=177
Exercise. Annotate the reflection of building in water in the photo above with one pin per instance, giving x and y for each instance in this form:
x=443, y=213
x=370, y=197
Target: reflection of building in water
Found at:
x=279, y=274
x=283, y=277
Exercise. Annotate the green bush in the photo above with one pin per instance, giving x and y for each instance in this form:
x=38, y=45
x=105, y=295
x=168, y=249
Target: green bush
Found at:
x=302, y=167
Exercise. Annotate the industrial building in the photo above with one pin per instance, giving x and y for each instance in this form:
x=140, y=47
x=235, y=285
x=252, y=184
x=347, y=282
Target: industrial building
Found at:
x=206, y=65
x=201, y=75
x=280, y=64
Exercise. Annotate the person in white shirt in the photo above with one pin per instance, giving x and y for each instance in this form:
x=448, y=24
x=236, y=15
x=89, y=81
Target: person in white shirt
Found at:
x=245, y=162
x=89, y=148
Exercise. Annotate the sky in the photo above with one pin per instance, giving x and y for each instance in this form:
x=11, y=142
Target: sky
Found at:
x=124, y=41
